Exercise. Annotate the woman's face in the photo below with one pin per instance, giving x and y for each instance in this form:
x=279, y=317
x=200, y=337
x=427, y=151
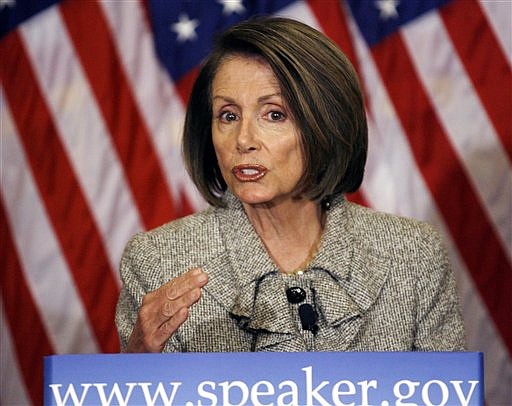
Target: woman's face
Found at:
x=255, y=140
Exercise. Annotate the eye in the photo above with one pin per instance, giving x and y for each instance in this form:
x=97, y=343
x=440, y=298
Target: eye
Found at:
x=276, y=116
x=228, y=116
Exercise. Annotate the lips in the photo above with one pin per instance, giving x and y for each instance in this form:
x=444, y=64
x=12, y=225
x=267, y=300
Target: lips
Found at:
x=249, y=172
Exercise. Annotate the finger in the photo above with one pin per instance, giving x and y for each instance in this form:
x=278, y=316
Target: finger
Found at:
x=158, y=306
x=149, y=336
x=176, y=311
x=156, y=341
x=190, y=280
x=168, y=328
x=171, y=307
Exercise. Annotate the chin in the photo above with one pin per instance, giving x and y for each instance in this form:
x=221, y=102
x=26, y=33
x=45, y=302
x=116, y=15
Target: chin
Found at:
x=253, y=198
x=255, y=201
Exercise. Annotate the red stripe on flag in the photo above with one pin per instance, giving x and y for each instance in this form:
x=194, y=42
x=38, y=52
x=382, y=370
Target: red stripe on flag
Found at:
x=63, y=198
x=95, y=47
x=485, y=63
x=28, y=333
x=331, y=17
x=456, y=200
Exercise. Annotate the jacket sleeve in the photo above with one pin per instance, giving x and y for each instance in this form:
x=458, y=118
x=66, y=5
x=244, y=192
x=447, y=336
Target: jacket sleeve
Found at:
x=438, y=319
x=140, y=274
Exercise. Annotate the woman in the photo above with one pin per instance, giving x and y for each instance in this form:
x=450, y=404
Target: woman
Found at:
x=275, y=133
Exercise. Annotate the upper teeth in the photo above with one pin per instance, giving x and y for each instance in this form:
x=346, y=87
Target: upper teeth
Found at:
x=249, y=171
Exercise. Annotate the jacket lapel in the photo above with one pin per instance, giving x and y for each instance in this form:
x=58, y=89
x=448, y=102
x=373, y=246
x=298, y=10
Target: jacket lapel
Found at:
x=344, y=302
x=347, y=277
x=259, y=306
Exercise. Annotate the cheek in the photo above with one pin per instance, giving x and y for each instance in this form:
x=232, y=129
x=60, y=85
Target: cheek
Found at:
x=294, y=157
x=222, y=145
x=221, y=152
x=217, y=146
x=296, y=168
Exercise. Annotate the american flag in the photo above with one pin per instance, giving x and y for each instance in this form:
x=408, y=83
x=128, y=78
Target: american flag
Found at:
x=92, y=103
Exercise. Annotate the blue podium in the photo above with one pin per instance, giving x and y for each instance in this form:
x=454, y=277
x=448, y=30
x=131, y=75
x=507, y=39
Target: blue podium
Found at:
x=315, y=378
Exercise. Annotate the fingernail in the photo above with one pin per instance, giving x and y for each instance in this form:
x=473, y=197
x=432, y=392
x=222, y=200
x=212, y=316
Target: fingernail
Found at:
x=171, y=293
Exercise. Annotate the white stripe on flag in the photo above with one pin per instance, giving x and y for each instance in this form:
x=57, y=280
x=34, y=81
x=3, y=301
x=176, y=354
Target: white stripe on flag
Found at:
x=464, y=119
x=82, y=131
x=39, y=251
x=300, y=10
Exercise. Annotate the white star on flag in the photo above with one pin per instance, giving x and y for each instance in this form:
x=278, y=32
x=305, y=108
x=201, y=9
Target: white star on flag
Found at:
x=387, y=8
x=232, y=6
x=185, y=28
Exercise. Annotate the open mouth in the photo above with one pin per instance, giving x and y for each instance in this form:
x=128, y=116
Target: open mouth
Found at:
x=249, y=173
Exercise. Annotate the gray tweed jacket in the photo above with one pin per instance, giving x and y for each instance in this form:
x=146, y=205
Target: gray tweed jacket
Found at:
x=378, y=283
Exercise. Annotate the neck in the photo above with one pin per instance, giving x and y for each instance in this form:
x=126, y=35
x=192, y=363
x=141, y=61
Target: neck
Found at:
x=285, y=219
x=291, y=232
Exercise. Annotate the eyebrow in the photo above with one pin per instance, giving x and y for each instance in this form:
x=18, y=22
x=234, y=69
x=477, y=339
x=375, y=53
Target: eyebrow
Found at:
x=260, y=99
x=269, y=96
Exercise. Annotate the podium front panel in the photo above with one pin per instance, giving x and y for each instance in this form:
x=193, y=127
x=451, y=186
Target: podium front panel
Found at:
x=314, y=378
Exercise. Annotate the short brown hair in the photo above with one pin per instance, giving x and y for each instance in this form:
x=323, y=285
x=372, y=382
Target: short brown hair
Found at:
x=321, y=90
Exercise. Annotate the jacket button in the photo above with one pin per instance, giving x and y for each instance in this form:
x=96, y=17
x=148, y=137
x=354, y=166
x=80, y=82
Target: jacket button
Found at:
x=295, y=294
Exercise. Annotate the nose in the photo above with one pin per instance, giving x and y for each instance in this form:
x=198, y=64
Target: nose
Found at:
x=247, y=139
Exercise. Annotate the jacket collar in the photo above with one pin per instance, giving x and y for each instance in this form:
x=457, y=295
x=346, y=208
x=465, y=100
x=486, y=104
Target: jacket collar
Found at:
x=346, y=276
